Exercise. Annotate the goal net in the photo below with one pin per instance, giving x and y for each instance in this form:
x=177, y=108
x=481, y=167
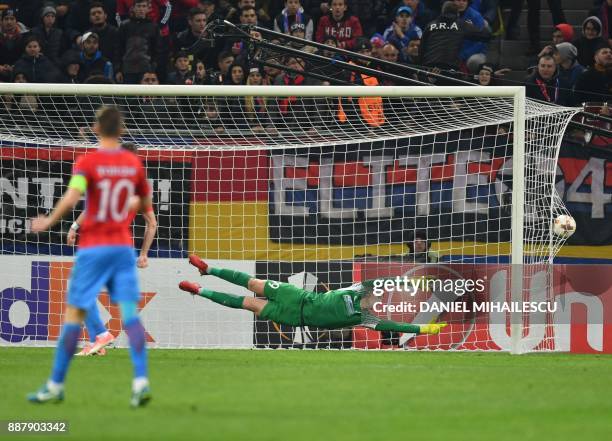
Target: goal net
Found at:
x=316, y=186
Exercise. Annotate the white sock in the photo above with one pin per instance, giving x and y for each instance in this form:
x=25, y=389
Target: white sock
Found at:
x=139, y=383
x=54, y=387
x=103, y=334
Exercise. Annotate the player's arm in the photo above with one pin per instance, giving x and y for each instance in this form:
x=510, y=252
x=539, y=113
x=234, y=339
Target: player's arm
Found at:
x=143, y=202
x=389, y=325
x=149, y=235
x=72, y=234
x=76, y=188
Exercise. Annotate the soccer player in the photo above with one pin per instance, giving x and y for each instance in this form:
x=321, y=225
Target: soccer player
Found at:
x=99, y=336
x=288, y=305
x=110, y=177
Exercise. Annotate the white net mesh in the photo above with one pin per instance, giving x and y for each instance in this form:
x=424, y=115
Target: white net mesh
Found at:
x=318, y=191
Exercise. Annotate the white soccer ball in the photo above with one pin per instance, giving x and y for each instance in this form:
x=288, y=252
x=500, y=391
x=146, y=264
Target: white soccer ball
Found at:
x=564, y=226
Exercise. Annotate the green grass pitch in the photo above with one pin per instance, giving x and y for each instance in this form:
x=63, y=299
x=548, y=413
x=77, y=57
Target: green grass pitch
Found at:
x=321, y=395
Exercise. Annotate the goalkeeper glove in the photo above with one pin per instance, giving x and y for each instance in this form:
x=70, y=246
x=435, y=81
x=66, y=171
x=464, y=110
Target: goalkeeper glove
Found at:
x=433, y=328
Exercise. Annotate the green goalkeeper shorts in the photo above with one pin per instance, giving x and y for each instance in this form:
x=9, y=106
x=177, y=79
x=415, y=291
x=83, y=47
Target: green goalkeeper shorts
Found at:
x=284, y=303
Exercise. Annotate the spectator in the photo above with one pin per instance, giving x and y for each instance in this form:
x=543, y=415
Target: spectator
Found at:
x=139, y=45
x=224, y=61
x=533, y=21
x=488, y=10
x=49, y=36
x=403, y=29
x=421, y=15
x=294, y=13
x=377, y=41
x=443, y=38
x=36, y=66
x=211, y=10
x=486, y=75
x=248, y=16
x=190, y=108
x=419, y=249
x=200, y=74
x=11, y=43
x=192, y=42
x=230, y=108
x=234, y=14
x=159, y=13
x=363, y=47
x=473, y=53
x=370, y=12
x=153, y=112
x=604, y=13
x=92, y=61
x=270, y=74
x=109, y=41
x=331, y=70
x=295, y=113
x=70, y=66
x=563, y=33
x=315, y=8
x=410, y=54
x=589, y=41
x=77, y=20
x=337, y=23
x=298, y=30
x=569, y=68
x=255, y=109
x=235, y=75
x=544, y=83
x=595, y=84
x=182, y=71
x=88, y=106
x=23, y=107
x=62, y=7
x=28, y=11
x=389, y=53
x=362, y=111
x=179, y=13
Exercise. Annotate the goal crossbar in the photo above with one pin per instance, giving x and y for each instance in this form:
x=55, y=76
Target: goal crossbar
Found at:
x=267, y=91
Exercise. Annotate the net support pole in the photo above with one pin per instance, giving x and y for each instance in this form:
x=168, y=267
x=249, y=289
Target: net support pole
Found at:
x=518, y=202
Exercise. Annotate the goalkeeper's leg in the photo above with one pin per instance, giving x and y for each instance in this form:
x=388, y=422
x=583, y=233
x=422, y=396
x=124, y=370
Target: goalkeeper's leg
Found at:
x=252, y=304
x=236, y=277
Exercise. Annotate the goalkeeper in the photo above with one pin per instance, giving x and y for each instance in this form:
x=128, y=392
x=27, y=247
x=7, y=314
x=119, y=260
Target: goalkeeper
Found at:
x=288, y=305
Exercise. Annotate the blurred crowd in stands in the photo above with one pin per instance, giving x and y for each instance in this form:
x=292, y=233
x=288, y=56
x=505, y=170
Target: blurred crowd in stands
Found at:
x=165, y=42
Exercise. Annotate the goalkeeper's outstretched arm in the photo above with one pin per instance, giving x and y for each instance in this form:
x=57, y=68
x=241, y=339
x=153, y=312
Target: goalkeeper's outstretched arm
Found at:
x=388, y=325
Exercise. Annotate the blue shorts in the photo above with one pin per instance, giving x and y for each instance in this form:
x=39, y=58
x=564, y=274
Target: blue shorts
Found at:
x=97, y=267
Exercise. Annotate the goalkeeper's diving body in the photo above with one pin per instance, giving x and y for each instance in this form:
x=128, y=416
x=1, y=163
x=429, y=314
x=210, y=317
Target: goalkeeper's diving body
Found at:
x=286, y=304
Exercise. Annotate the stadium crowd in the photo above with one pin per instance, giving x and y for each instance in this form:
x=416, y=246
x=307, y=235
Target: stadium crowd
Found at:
x=165, y=42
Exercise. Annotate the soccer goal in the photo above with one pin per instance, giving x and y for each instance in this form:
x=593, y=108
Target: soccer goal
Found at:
x=311, y=185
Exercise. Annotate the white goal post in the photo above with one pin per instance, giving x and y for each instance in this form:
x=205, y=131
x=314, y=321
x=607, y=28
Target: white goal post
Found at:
x=292, y=182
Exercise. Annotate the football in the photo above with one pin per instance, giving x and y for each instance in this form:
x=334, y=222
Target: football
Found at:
x=564, y=226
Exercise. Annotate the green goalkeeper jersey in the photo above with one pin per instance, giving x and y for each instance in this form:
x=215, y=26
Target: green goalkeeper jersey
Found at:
x=341, y=308
x=338, y=309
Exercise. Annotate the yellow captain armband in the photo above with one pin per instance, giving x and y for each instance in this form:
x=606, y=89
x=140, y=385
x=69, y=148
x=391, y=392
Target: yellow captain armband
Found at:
x=78, y=182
